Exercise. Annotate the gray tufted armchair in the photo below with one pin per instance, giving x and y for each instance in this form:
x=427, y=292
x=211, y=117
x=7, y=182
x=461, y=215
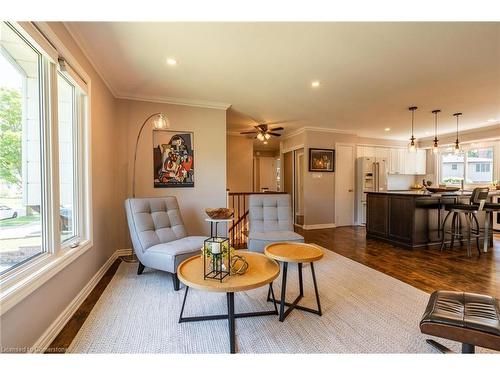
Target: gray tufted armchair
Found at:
x=158, y=234
x=270, y=220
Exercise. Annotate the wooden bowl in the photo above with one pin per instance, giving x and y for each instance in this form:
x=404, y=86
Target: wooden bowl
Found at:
x=219, y=213
x=442, y=190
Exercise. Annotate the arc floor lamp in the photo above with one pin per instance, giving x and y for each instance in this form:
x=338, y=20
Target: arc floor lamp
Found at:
x=160, y=122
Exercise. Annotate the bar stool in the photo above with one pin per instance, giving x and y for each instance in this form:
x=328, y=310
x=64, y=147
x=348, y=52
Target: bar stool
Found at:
x=477, y=202
x=488, y=223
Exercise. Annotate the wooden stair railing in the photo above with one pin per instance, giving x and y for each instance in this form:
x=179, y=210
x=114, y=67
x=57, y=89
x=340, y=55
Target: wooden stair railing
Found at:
x=238, y=231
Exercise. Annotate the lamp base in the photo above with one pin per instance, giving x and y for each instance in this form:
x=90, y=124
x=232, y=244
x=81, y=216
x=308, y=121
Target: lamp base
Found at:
x=130, y=258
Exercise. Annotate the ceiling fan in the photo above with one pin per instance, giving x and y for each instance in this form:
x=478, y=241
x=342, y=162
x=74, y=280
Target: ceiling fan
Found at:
x=264, y=132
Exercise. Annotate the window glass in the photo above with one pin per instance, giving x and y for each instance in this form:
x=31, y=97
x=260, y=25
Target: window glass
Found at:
x=452, y=168
x=474, y=166
x=67, y=172
x=20, y=151
x=480, y=165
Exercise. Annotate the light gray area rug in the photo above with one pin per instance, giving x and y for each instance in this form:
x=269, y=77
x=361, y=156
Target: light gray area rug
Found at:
x=364, y=311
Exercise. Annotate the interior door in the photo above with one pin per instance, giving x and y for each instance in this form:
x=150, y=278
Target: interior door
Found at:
x=268, y=173
x=344, y=185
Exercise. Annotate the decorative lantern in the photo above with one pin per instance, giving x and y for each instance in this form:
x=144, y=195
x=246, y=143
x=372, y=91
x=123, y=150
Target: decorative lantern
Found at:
x=216, y=258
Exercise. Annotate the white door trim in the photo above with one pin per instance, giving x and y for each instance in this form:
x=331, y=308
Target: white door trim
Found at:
x=353, y=146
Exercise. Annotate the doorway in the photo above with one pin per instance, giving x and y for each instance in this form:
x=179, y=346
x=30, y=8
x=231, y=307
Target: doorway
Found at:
x=344, y=184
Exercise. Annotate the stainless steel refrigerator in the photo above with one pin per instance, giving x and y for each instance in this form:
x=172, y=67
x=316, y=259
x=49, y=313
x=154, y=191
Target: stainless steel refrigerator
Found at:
x=371, y=175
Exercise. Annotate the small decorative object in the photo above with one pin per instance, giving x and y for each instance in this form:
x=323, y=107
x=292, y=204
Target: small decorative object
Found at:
x=216, y=258
x=173, y=159
x=219, y=213
x=239, y=265
x=321, y=160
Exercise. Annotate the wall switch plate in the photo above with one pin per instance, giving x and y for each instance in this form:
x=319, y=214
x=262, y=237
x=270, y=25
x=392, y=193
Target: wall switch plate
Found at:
x=317, y=175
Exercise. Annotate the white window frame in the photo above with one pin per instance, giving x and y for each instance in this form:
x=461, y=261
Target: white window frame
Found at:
x=21, y=281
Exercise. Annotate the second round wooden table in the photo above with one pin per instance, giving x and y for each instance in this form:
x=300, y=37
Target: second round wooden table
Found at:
x=293, y=252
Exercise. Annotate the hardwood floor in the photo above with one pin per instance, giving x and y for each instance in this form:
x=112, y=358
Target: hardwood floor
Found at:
x=427, y=270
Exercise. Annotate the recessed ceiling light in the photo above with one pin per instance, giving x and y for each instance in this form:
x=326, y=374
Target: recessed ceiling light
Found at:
x=387, y=129
x=315, y=83
x=427, y=133
x=171, y=61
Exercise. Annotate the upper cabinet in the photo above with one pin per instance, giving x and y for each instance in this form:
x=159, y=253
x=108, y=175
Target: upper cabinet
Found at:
x=421, y=162
x=399, y=160
x=416, y=162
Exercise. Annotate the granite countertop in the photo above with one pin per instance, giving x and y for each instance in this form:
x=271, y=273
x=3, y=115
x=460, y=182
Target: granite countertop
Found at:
x=425, y=193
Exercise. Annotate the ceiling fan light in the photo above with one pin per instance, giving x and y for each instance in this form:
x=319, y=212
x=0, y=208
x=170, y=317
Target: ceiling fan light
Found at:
x=267, y=136
x=260, y=137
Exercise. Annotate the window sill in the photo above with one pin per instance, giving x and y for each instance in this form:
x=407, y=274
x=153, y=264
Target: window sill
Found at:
x=17, y=286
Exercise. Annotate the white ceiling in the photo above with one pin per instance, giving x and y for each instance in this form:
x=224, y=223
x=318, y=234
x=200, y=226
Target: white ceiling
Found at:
x=370, y=73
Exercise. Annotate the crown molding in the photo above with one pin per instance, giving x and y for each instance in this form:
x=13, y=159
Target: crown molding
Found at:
x=177, y=101
x=80, y=42
x=328, y=130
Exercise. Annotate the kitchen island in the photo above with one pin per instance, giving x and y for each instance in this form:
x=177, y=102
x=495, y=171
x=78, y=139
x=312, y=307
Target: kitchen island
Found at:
x=412, y=219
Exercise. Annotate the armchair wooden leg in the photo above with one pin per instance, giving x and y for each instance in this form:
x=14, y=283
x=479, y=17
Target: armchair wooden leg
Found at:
x=175, y=281
x=140, y=268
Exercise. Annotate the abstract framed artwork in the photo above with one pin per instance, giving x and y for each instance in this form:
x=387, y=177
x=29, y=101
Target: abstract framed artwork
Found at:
x=173, y=159
x=321, y=160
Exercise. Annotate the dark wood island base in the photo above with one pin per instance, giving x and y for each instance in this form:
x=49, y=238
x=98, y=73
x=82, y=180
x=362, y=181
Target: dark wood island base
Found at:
x=412, y=219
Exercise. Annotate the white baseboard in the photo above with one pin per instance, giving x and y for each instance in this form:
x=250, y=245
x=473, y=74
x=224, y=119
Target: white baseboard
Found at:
x=58, y=324
x=319, y=226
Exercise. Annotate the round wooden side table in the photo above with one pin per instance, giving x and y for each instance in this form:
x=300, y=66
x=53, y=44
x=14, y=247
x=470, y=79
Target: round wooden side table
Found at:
x=294, y=252
x=261, y=271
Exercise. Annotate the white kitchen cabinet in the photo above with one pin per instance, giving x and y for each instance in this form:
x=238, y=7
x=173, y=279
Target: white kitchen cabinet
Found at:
x=416, y=162
x=397, y=161
x=421, y=162
x=382, y=153
x=410, y=163
x=366, y=152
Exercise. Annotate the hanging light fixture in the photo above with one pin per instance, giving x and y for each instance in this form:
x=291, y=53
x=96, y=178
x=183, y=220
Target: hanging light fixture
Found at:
x=412, y=147
x=457, y=144
x=260, y=137
x=435, y=148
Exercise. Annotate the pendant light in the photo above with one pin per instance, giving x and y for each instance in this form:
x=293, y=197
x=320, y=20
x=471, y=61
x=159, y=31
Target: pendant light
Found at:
x=435, y=148
x=457, y=144
x=412, y=147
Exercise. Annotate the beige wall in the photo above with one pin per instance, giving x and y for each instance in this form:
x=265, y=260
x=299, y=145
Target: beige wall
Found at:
x=239, y=163
x=209, y=127
x=23, y=324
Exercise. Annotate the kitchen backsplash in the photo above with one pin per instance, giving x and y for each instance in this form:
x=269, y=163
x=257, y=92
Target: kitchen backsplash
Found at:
x=401, y=182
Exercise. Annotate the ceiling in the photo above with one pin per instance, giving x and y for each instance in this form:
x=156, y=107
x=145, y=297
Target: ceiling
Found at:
x=369, y=73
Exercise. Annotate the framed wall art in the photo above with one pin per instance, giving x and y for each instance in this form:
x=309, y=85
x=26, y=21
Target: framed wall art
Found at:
x=173, y=159
x=321, y=160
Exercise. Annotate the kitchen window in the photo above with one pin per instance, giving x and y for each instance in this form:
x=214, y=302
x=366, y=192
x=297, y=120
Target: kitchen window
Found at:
x=44, y=208
x=473, y=165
